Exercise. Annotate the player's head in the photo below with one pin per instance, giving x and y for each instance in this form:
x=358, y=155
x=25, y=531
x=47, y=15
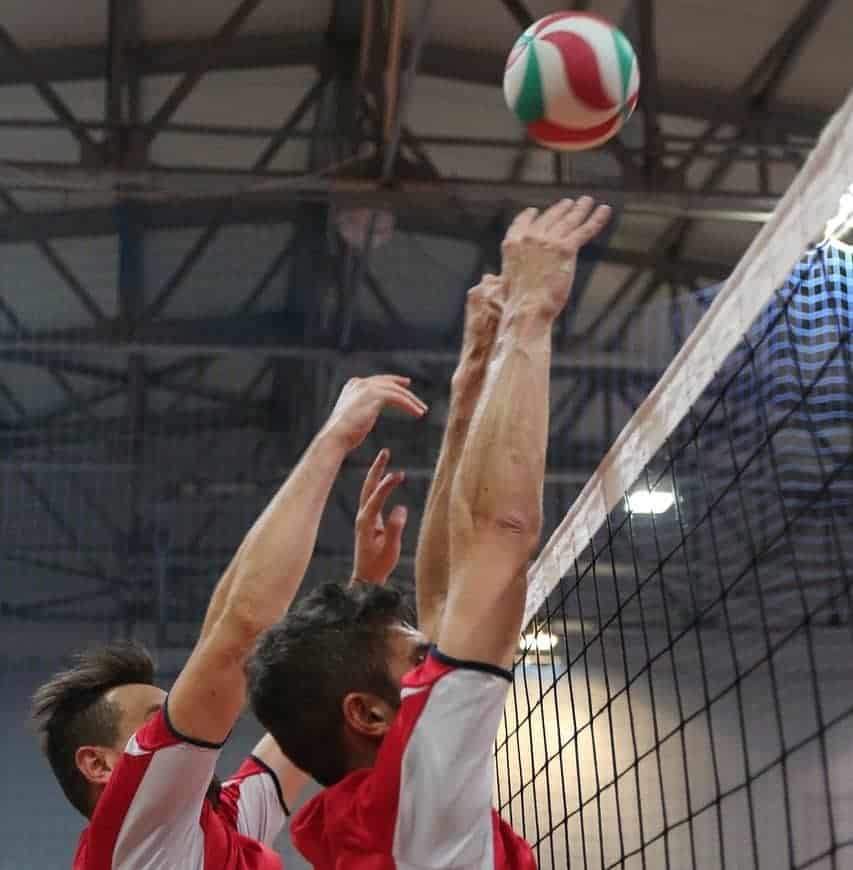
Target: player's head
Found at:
x=325, y=681
x=85, y=715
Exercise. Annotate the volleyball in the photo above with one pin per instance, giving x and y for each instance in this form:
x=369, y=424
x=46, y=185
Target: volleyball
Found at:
x=572, y=79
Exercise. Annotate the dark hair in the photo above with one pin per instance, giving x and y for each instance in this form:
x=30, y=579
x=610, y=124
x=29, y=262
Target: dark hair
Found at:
x=70, y=710
x=331, y=643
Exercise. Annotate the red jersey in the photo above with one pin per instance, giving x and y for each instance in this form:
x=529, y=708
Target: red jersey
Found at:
x=154, y=813
x=427, y=802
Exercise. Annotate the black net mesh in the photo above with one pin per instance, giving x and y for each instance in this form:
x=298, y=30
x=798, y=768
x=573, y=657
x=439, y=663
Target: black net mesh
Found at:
x=684, y=700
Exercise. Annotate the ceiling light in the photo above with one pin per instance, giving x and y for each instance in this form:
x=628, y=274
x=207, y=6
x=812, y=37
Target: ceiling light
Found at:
x=541, y=641
x=644, y=501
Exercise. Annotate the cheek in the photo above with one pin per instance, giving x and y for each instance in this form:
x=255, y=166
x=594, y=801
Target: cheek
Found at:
x=401, y=667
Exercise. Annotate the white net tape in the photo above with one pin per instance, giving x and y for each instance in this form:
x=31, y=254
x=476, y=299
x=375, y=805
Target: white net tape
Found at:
x=800, y=219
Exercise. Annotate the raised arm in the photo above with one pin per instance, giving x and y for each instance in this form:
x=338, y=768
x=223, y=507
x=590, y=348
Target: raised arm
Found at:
x=496, y=498
x=265, y=574
x=432, y=559
x=377, y=550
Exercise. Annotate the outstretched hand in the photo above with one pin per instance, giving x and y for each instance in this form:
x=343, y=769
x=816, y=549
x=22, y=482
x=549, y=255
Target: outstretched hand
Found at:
x=540, y=250
x=378, y=540
x=363, y=400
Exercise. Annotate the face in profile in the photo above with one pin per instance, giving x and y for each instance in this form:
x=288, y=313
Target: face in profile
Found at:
x=135, y=704
x=407, y=649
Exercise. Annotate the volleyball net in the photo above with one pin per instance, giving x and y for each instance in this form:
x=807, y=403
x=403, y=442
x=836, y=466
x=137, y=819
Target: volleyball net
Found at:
x=683, y=694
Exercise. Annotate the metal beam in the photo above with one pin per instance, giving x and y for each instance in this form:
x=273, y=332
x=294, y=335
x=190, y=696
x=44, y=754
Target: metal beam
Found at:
x=672, y=144
x=651, y=87
x=764, y=76
x=122, y=85
x=201, y=187
x=86, y=62
x=756, y=90
x=373, y=345
x=55, y=514
x=219, y=216
x=172, y=425
x=520, y=13
x=58, y=264
x=75, y=223
x=32, y=75
x=202, y=61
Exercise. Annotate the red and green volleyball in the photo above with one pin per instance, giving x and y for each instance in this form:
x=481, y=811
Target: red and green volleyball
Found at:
x=572, y=79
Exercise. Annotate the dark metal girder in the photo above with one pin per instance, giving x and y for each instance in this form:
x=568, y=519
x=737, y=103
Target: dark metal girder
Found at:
x=282, y=336
x=164, y=184
x=11, y=316
x=42, y=421
x=58, y=264
x=272, y=271
x=23, y=557
x=520, y=13
x=64, y=363
x=764, y=76
x=200, y=62
x=11, y=399
x=757, y=88
x=34, y=76
x=221, y=212
x=76, y=63
x=175, y=424
x=651, y=88
x=122, y=85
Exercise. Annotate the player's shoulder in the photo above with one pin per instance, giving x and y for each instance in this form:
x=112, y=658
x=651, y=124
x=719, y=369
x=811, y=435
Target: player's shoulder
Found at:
x=158, y=733
x=438, y=666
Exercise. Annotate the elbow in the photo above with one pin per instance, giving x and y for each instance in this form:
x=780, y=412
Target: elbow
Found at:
x=524, y=527
x=517, y=532
x=506, y=512
x=245, y=622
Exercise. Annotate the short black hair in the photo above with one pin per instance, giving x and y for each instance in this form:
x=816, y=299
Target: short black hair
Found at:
x=70, y=710
x=331, y=643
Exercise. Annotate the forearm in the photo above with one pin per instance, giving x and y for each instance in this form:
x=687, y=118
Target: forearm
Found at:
x=266, y=571
x=432, y=558
x=499, y=480
x=496, y=500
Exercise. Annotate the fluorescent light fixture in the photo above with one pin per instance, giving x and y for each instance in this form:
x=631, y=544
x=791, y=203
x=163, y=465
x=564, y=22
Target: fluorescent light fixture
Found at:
x=643, y=501
x=540, y=641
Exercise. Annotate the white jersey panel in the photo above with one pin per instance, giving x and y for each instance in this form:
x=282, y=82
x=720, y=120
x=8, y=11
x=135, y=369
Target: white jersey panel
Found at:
x=161, y=828
x=260, y=814
x=445, y=803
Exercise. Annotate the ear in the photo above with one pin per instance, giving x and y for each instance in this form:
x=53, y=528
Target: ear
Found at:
x=367, y=715
x=96, y=763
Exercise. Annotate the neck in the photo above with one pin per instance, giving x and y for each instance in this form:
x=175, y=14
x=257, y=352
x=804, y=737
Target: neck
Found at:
x=361, y=753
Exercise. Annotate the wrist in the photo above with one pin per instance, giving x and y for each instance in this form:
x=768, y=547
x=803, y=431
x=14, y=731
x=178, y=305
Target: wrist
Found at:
x=529, y=318
x=332, y=442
